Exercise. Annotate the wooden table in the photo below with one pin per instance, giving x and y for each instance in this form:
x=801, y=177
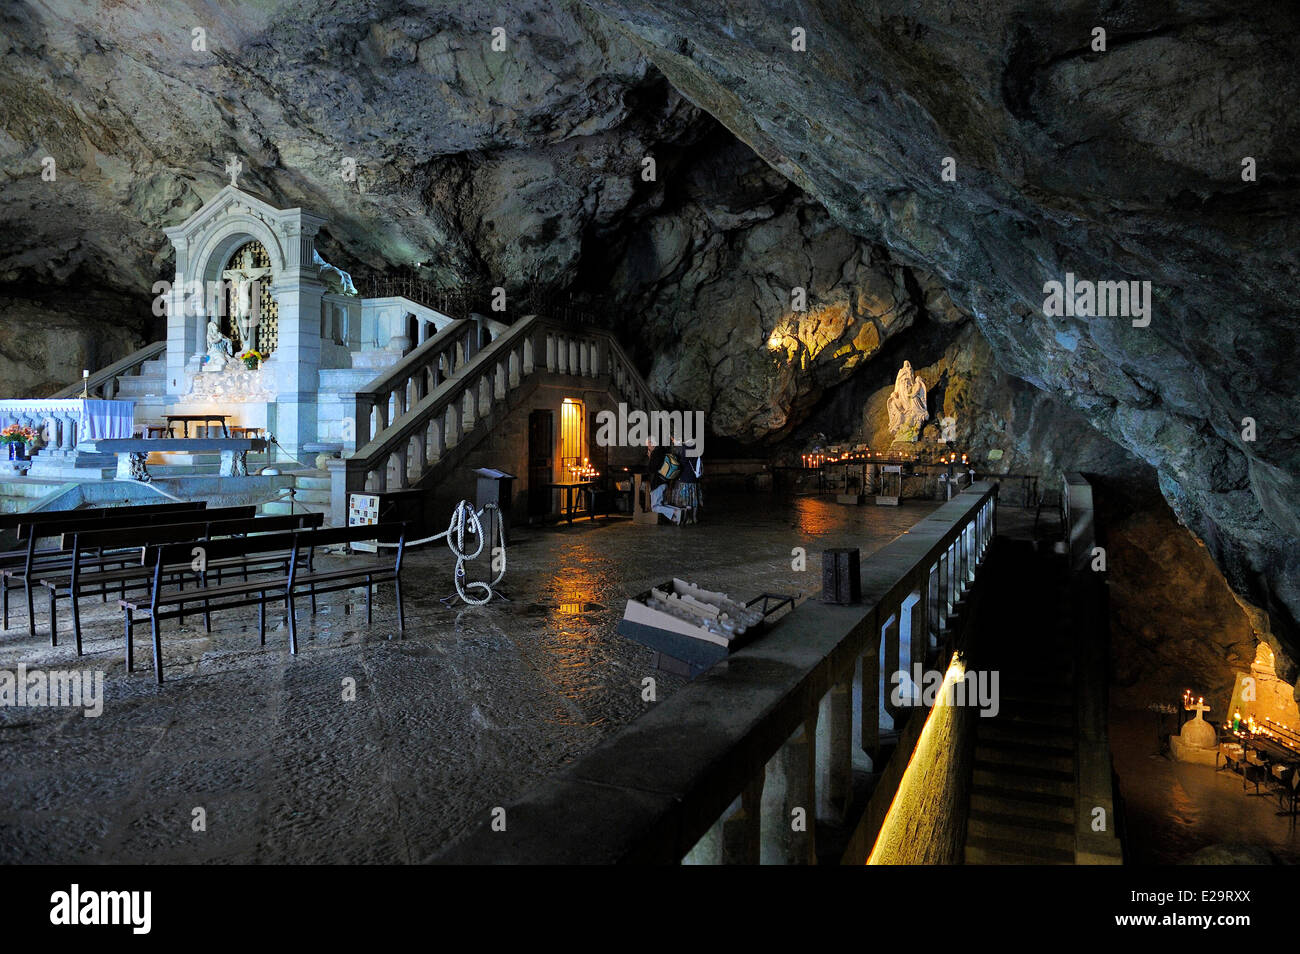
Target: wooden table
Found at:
x=206, y=419
x=570, y=492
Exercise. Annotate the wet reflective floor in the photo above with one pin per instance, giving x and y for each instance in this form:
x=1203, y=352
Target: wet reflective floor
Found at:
x=1176, y=809
x=366, y=747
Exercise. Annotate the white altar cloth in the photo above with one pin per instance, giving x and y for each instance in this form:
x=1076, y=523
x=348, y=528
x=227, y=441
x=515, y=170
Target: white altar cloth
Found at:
x=95, y=419
x=103, y=420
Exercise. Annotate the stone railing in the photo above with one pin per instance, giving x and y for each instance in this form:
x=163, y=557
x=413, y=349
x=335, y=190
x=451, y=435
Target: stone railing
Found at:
x=446, y=413
x=102, y=384
x=401, y=387
x=718, y=771
x=1089, y=604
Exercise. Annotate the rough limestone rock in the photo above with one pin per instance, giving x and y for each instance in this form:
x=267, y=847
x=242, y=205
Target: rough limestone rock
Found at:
x=1122, y=165
x=522, y=167
x=745, y=299
x=48, y=336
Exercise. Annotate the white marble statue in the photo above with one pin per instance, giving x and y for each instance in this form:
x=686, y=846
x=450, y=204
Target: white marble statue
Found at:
x=242, y=296
x=245, y=300
x=907, y=410
x=219, y=350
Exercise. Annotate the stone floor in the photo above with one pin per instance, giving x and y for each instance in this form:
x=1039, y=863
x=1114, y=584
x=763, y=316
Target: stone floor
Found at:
x=467, y=711
x=1175, y=809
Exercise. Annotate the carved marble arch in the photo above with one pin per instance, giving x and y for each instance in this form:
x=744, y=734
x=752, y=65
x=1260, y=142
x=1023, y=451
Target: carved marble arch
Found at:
x=252, y=254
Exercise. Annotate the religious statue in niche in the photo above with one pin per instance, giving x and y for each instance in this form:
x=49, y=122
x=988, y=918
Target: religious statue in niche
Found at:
x=907, y=410
x=219, y=350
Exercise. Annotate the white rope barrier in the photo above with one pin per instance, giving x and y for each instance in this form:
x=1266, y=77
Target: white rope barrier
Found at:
x=464, y=518
x=156, y=490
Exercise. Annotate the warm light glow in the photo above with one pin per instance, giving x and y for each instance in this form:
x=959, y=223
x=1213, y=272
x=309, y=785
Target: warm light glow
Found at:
x=894, y=829
x=571, y=436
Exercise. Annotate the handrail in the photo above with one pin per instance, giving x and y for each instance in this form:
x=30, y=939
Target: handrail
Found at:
x=687, y=777
x=100, y=383
x=440, y=398
x=419, y=372
x=388, y=379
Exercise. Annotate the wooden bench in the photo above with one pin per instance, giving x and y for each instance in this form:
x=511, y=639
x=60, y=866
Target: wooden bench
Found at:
x=86, y=577
x=160, y=603
x=10, y=521
x=35, y=562
x=133, y=452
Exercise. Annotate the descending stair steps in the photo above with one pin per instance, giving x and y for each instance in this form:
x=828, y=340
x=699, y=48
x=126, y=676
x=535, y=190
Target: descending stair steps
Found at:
x=311, y=494
x=1023, y=782
x=148, y=390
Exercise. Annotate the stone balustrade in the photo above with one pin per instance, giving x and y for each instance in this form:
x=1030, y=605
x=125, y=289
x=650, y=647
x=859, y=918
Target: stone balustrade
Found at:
x=428, y=405
x=388, y=398
x=722, y=771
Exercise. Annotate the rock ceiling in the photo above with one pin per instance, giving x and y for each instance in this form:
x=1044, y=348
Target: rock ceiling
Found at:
x=524, y=167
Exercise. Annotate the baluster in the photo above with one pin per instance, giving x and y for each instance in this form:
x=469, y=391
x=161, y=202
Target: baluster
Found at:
x=466, y=402
x=919, y=628
x=790, y=789
x=866, y=701
x=734, y=839
x=450, y=425
x=835, y=752
x=972, y=556
x=361, y=422
x=933, y=585
x=421, y=454
x=434, y=438
x=889, y=636
x=954, y=575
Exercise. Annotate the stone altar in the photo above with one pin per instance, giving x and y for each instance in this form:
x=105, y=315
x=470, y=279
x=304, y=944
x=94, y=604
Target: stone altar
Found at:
x=1198, y=741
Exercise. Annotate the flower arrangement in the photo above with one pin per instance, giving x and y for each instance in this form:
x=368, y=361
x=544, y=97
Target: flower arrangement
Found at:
x=17, y=434
x=252, y=359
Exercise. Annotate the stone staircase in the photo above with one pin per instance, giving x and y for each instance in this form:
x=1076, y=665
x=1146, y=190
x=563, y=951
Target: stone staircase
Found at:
x=1023, y=796
x=422, y=418
x=148, y=389
x=311, y=493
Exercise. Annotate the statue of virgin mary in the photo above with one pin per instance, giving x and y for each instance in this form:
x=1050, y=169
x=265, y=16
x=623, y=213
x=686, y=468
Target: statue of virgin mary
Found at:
x=907, y=410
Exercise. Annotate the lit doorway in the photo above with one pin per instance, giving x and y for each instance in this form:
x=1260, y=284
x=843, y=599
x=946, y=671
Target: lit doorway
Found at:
x=572, y=434
x=573, y=451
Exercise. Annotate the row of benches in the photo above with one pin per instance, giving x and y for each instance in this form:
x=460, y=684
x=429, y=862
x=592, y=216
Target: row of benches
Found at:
x=147, y=555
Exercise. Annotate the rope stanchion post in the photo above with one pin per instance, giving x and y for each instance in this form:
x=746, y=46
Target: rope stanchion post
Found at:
x=465, y=519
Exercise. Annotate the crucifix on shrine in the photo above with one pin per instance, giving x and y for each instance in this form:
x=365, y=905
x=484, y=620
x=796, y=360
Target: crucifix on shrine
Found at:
x=245, y=300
